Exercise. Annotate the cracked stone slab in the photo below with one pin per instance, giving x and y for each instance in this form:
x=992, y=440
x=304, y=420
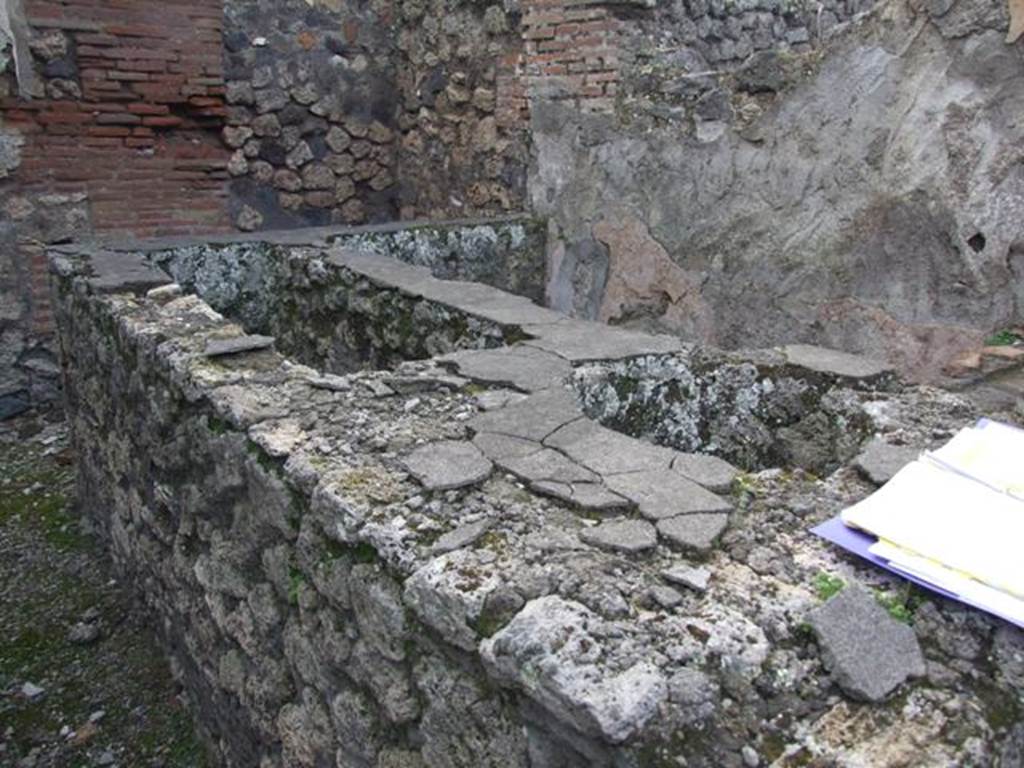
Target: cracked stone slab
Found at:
x=237, y=345
x=592, y=496
x=868, y=652
x=524, y=368
x=116, y=272
x=713, y=473
x=580, y=341
x=499, y=447
x=880, y=461
x=533, y=418
x=547, y=465
x=606, y=451
x=448, y=464
x=831, y=361
x=662, y=494
x=629, y=536
x=694, y=534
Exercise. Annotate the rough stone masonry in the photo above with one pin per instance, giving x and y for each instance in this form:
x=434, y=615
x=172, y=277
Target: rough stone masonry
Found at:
x=482, y=556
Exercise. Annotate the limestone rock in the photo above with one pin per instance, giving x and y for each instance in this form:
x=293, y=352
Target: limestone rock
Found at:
x=237, y=345
x=548, y=652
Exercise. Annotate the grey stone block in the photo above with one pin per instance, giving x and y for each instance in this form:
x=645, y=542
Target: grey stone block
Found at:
x=695, y=534
x=880, y=461
x=629, y=536
x=448, y=464
x=664, y=494
x=869, y=653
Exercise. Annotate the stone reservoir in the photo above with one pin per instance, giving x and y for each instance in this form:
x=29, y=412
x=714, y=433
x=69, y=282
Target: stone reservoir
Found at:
x=389, y=512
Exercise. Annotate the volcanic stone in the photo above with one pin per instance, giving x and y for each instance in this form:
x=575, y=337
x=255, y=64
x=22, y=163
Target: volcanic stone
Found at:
x=695, y=534
x=868, y=652
x=448, y=464
x=630, y=536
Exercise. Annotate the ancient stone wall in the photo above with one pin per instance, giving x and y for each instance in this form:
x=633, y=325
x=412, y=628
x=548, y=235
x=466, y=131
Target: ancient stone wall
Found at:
x=464, y=144
x=450, y=564
x=313, y=101
x=109, y=116
x=854, y=184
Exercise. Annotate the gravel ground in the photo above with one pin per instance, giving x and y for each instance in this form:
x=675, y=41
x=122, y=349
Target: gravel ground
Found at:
x=82, y=680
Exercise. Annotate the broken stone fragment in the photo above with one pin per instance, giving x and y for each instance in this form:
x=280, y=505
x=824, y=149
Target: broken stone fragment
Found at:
x=463, y=536
x=694, y=534
x=867, y=651
x=694, y=578
x=629, y=536
x=237, y=345
x=879, y=461
x=448, y=464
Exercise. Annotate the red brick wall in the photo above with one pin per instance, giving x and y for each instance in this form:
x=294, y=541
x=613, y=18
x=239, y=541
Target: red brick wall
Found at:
x=572, y=53
x=142, y=140
x=130, y=123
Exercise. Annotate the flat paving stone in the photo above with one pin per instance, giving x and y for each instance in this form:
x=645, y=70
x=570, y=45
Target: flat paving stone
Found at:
x=832, y=361
x=591, y=496
x=448, y=464
x=696, y=579
x=880, y=461
x=548, y=465
x=629, y=536
x=868, y=652
x=237, y=345
x=662, y=494
x=533, y=418
x=694, y=534
x=710, y=471
x=498, y=447
x=606, y=451
x=524, y=368
x=580, y=341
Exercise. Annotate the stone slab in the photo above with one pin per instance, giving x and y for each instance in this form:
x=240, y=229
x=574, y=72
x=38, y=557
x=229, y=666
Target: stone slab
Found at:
x=663, y=494
x=447, y=465
x=533, y=418
x=463, y=536
x=696, y=579
x=525, y=368
x=114, y=272
x=628, y=536
x=694, y=534
x=580, y=341
x=868, y=652
x=237, y=345
x=547, y=465
x=606, y=451
x=880, y=461
x=500, y=447
x=834, y=362
x=713, y=473
x=590, y=496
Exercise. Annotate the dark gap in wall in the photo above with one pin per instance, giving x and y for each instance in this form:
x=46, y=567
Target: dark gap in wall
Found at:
x=977, y=242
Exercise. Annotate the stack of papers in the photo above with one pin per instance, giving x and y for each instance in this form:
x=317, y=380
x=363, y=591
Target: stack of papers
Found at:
x=952, y=521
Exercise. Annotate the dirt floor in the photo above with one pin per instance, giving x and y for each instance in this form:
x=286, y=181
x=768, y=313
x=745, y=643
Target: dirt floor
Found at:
x=82, y=680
